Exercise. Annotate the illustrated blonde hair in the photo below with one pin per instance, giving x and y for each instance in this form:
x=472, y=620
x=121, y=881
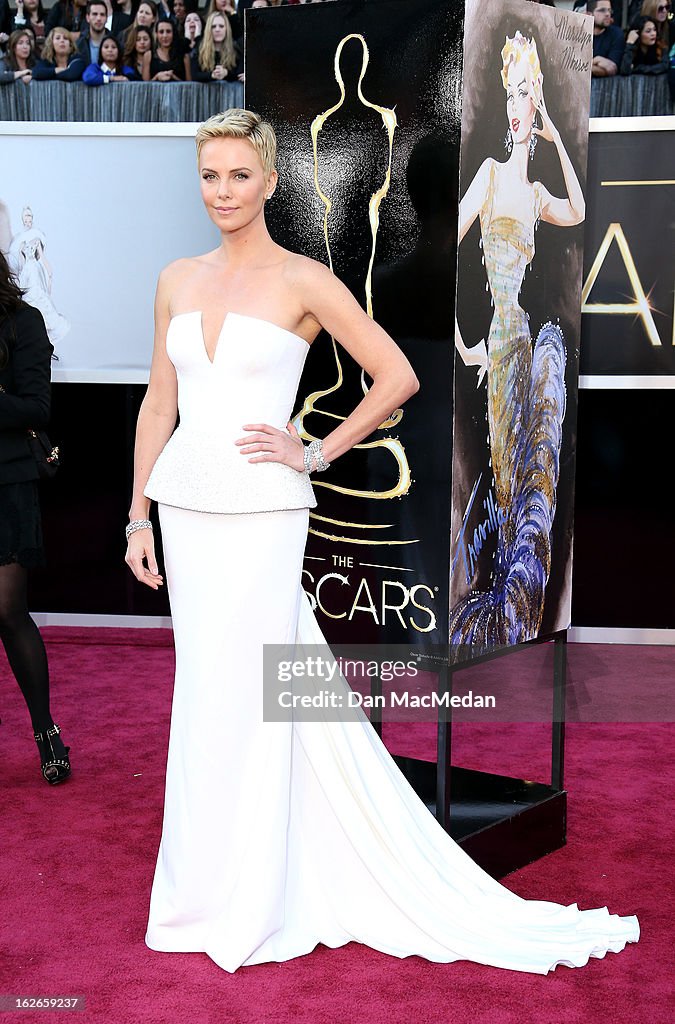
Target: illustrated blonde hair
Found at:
x=207, y=48
x=520, y=48
x=241, y=124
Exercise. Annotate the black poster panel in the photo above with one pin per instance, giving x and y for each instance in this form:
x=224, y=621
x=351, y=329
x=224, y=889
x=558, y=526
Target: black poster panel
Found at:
x=524, y=147
x=624, y=555
x=629, y=264
x=364, y=98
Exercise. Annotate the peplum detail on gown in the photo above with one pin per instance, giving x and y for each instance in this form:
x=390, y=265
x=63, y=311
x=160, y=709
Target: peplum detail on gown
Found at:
x=279, y=835
x=200, y=467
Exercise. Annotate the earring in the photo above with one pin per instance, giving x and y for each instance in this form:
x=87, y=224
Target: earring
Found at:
x=508, y=141
x=533, y=145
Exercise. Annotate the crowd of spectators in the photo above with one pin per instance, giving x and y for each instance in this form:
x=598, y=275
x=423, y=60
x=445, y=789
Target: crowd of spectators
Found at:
x=177, y=41
x=647, y=47
x=103, y=41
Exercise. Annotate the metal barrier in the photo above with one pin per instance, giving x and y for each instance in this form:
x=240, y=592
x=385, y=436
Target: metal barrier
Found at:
x=630, y=96
x=132, y=101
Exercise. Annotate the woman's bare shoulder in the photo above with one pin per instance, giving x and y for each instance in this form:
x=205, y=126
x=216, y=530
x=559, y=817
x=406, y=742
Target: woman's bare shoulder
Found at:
x=186, y=265
x=303, y=271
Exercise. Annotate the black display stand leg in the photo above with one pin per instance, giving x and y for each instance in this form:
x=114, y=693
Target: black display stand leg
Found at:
x=444, y=752
x=559, y=684
x=503, y=823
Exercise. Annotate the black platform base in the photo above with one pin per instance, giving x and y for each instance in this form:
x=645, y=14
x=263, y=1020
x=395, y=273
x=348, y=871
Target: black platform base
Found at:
x=502, y=823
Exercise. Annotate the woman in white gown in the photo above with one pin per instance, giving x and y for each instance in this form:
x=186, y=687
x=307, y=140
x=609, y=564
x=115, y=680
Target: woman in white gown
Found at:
x=281, y=835
x=34, y=274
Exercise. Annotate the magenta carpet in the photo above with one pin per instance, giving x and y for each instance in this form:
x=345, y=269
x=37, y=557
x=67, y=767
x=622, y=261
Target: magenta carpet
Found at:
x=77, y=863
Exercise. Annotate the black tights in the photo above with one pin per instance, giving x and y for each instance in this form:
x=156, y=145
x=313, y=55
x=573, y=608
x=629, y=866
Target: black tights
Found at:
x=23, y=645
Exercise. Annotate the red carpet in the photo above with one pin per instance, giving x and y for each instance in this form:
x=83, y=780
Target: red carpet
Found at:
x=77, y=863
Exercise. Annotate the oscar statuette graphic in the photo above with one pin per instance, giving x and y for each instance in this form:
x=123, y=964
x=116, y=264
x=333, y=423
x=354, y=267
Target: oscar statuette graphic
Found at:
x=327, y=186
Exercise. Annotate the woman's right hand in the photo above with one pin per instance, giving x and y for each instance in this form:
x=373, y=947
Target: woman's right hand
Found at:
x=141, y=545
x=476, y=356
x=632, y=37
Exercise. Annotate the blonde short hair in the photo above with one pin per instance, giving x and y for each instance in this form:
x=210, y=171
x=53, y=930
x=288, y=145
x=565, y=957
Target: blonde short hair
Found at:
x=241, y=124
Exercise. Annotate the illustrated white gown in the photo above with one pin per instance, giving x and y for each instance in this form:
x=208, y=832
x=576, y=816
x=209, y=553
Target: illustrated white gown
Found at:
x=26, y=256
x=278, y=836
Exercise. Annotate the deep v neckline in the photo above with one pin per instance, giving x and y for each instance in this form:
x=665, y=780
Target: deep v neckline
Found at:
x=241, y=316
x=211, y=359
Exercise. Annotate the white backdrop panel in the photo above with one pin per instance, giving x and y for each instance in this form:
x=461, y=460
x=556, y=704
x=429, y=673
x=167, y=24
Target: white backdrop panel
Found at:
x=111, y=205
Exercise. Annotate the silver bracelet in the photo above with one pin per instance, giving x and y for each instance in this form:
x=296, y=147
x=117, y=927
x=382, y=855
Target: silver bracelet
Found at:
x=137, y=524
x=313, y=457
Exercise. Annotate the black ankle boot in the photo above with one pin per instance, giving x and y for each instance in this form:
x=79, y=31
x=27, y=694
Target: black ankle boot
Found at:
x=54, y=757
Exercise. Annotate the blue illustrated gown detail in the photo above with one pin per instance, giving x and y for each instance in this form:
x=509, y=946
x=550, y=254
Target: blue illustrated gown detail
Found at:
x=526, y=409
x=278, y=836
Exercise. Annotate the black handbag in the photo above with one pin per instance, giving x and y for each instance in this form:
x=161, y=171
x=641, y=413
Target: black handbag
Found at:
x=46, y=454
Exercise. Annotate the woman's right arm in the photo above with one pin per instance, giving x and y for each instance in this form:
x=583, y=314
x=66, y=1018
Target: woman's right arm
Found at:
x=156, y=422
x=627, y=59
x=196, y=73
x=28, y=405
x=54, y=18
x=44, y=71
x=74, y=71
x=92, y=75
x=147, y=57
x=469, y=208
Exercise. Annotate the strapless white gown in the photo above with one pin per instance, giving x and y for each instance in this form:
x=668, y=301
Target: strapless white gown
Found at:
x=278, y=836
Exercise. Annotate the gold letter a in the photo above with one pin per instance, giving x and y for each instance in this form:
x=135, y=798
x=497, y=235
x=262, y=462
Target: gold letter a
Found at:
x=640, y=307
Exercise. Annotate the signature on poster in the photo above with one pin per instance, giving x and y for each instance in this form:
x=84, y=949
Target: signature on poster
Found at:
x=469, y=550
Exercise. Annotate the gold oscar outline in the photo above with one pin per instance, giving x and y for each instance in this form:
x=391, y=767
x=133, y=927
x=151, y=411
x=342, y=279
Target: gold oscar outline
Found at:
x=640, y=307
x=310, y=403
x=357, y=540
x=361, y=526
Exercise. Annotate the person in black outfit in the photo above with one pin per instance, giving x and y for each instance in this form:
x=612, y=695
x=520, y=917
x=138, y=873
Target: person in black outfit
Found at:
x=5, y=21
x=25, y=364
x=192, y=32
x=89, y=44
x=641, y=55
x=60, y=60
x=122, y=16
x=167, y=62
x=68, y=14
x=608, y=40
x=218, y=57
x=31, y=15
x=227, y=8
